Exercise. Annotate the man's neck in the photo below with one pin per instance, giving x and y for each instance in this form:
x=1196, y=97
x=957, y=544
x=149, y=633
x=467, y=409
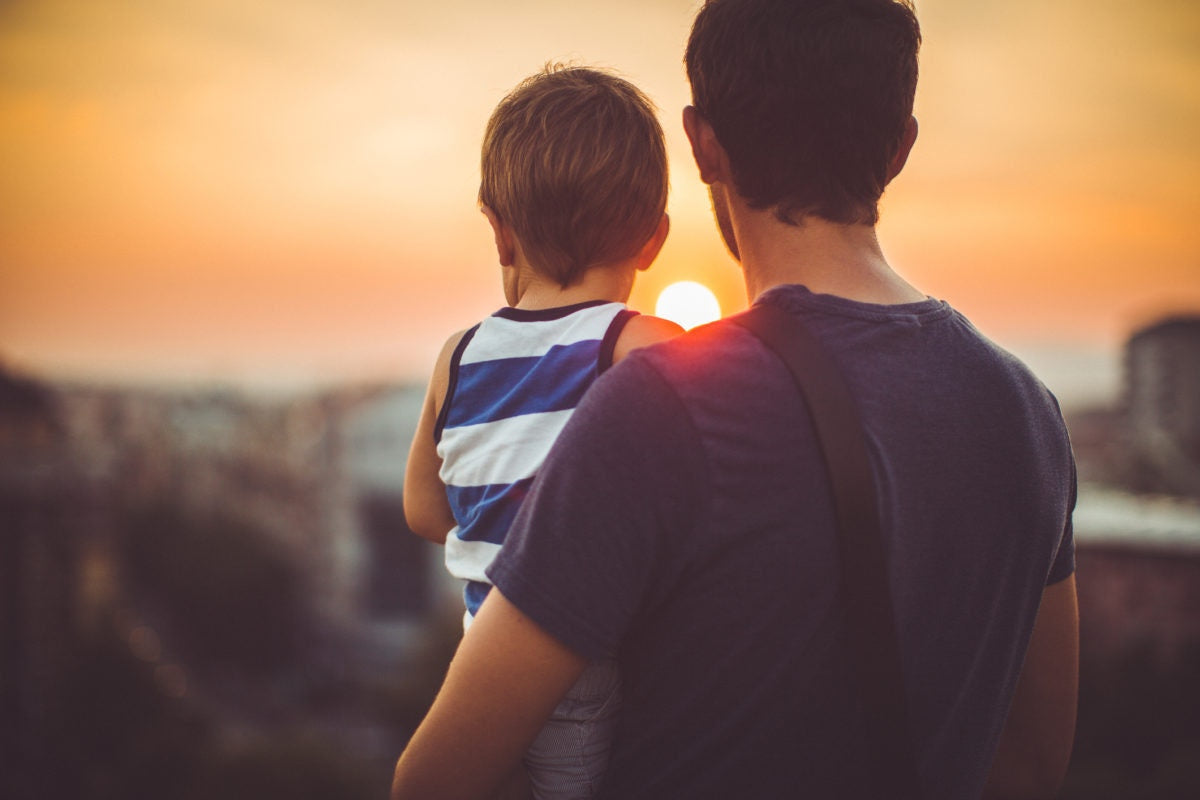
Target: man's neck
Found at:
x=827, y=258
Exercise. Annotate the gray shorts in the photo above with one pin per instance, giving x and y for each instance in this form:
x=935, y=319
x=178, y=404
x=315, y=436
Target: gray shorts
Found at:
x=569, y=756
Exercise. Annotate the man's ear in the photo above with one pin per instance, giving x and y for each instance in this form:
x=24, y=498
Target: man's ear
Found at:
x=709, y=154
x=653, y=245
x=906, y=145
x=505, y=245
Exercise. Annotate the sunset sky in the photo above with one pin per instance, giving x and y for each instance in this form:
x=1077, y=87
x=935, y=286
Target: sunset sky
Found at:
x=284, y=191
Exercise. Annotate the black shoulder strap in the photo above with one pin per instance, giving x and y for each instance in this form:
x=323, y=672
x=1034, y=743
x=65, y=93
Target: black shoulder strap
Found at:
x=608, y=344
x=452, y=381
x=873, y=646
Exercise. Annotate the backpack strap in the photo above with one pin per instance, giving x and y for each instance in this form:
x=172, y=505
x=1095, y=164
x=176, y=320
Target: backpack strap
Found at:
x=874, y=650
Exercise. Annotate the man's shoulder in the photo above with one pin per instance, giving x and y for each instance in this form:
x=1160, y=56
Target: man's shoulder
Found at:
x=712, y=380
x=1008, y=368
x=704, y=355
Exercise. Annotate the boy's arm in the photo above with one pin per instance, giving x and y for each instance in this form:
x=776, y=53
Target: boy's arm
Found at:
x=426, y=508
x=1035, y=746
x=642, y=331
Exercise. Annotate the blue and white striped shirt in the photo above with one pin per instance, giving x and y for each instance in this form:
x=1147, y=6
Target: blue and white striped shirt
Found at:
x=515, y=379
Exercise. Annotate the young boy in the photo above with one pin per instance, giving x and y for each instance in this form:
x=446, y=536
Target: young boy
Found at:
x=574, y=185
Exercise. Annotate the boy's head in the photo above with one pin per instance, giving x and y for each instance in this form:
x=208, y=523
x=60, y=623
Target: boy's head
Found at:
x=809, y=98
x=574, y=164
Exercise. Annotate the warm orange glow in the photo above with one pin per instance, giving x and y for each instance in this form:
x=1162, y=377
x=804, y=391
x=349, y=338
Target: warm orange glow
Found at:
x=688, y=303
x=229, y=190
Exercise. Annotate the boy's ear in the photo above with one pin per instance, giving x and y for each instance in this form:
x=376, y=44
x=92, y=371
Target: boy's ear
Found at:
x=709, y=154
x=906, y=145
x=505, y=245
x=654, y=244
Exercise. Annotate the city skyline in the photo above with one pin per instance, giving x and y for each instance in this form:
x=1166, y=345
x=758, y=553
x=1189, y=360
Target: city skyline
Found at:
x=285, y=192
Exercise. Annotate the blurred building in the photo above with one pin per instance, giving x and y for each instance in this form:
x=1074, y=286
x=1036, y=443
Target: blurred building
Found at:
x=315, y=480
x=1162, y=399
x=46, y=516
x=386, y=581
x=321, y=475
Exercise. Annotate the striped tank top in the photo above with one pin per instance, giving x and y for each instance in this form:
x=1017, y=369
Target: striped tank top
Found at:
x=515, y=379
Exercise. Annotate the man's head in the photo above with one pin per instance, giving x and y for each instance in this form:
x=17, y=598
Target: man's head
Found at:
x=810, y=99
x=575, y=166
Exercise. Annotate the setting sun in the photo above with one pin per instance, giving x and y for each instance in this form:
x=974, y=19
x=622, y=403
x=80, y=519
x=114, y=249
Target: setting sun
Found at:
x=688, y=303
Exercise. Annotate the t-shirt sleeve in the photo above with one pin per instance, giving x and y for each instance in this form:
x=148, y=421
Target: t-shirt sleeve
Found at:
x=621, y=486
x=1064, y=562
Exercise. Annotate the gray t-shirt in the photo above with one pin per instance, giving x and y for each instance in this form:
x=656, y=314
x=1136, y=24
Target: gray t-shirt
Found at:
x=683, y=523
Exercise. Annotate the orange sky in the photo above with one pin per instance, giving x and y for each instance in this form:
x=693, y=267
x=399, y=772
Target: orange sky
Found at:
x=284, y=190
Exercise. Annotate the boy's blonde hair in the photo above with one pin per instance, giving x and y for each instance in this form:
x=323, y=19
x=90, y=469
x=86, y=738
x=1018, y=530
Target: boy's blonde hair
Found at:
x=574, y=163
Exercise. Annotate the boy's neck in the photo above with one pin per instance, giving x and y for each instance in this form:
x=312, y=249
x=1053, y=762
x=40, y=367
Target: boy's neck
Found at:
x=526, y=288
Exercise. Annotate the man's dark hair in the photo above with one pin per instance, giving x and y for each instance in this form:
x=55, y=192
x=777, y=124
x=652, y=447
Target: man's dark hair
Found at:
x=809, y=98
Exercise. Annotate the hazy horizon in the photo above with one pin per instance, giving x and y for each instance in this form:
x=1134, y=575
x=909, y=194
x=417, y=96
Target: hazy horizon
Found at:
x=284, y=193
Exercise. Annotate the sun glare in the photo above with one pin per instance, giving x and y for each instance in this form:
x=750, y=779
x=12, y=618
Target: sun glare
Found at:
x=688, y=303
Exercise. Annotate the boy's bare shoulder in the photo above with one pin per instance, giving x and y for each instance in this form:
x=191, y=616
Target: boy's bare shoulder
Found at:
x=641, y=331
x=441, y=368
x=451, y=343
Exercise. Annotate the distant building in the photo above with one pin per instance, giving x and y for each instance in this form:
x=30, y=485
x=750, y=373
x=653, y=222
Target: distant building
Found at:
x=394, y=565
x=44, y=516
x=394, y=580
x=117, y=503
x=1162, y=397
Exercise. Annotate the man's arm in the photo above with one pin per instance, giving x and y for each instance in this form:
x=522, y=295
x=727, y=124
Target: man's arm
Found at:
x=1035, y=746
x=505, y=679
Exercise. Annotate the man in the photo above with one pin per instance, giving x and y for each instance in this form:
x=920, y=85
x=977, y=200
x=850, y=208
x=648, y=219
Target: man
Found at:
x=683, y=522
